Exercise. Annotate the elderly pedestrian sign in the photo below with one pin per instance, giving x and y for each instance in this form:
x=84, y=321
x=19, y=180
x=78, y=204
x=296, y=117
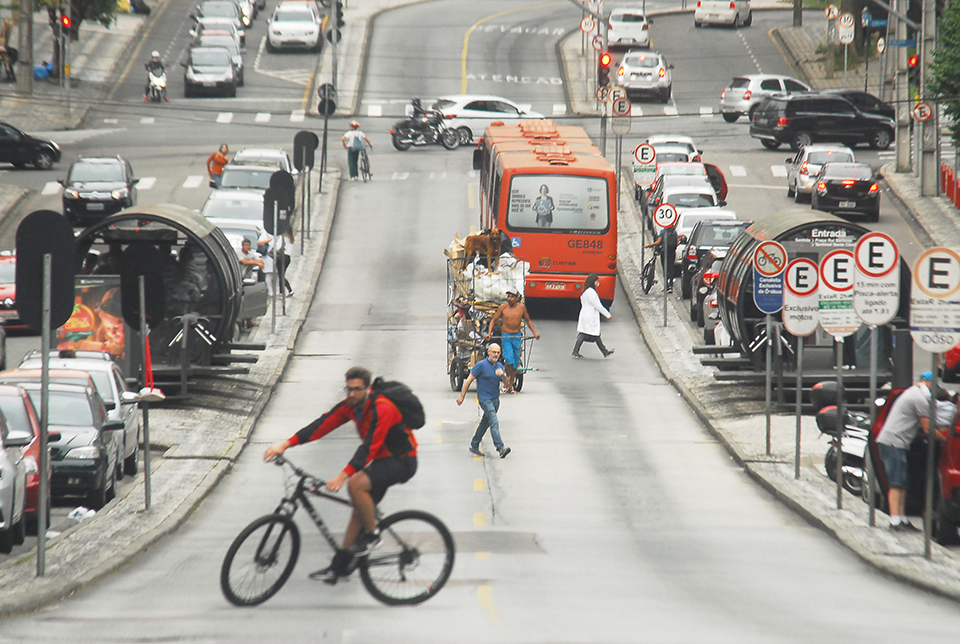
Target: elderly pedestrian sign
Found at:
x=876, y=289
x=837, y=316
x=801, y=297
x=769, y=262
x=934, y=300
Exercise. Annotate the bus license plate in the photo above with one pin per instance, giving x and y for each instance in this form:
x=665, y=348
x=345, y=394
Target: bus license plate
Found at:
x=848, y=204
x=556, y=286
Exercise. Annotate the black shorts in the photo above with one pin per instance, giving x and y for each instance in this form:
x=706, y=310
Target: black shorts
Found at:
x=385, y=472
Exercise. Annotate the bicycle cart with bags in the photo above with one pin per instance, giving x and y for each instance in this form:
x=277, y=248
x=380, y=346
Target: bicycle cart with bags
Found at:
x=474, y=293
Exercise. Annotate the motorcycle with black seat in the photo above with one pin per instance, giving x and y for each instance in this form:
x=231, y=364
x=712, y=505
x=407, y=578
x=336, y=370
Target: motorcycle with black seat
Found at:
x=424, y=128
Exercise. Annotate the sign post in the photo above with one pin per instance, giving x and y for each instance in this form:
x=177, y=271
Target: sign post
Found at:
x=769, y=262
x=935, y=326
x=665, y=217
x=801, y=316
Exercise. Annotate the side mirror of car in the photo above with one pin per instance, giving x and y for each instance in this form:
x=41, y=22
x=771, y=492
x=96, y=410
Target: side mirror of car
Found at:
x=113, y=425
x=670, y=66
x=789, y=161
x=18, y=441
x=60, y=181
x=54, y=437
x=134, y=182
x=682, y=239
x=129, y=398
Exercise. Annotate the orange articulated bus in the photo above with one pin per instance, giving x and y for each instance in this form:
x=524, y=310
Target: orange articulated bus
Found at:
x=554, y=194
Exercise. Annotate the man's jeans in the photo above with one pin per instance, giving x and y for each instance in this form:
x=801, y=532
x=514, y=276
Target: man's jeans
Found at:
x=490, y=420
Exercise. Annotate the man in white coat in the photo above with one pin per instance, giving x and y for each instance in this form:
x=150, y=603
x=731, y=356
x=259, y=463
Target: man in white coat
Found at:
x=588, y=326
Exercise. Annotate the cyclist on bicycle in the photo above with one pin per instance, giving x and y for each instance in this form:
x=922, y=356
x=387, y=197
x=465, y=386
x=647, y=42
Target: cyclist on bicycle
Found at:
x=387, y=456
x=667, y=240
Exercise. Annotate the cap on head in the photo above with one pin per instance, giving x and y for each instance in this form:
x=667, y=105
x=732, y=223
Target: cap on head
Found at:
x=926, y=375
x=354, y=124
x=513, y=291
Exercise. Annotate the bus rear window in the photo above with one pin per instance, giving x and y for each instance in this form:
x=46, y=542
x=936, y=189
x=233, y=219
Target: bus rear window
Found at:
x=558, y=202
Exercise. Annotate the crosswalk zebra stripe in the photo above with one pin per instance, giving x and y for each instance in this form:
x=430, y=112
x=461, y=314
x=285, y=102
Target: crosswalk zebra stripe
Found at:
x=636, y=110
x=193, y=181
x=670, y=110
x=224, y=117
x=374, y=110
x=706, y=112
x=50, y=188
x=400, y=176
x=559, y=109
x=297, y=116
x=146, y=183
x=738, y=171
x=148, y=120
x=778, y=170
x=262, y=117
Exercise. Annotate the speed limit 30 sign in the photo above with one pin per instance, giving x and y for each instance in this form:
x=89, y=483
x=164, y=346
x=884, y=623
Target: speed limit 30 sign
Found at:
x=665, y=215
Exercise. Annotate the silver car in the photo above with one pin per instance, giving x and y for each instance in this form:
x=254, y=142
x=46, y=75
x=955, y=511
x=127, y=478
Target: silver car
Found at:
x=803, y=168
x=646, y=72
x=745, y=93
x=732, y=13
x=628, y=26
x=13, y=493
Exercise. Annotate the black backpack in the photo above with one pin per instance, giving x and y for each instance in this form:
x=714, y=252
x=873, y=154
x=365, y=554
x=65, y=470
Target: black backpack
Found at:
x=406, y=401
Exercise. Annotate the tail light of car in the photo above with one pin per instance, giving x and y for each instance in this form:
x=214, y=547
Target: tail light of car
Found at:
x=875, y=187
x=449, y=116
x=709, y=277
x=822, y=187
x=691, y=253
x=646, y=25
x=620, y=72
x=783, y=121
x=803, y=168
x=747, y=94
x=713, y=302
x=662, y=72
x=733, y=5
x=698, y=4
x=723, y=92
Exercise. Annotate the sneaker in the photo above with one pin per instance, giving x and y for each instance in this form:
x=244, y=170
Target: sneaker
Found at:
x=365, y=544
x=339, y=567
x=504, y=451
x=906, y=526
x=290, y=293
x=578, y=356
x=609, y=353
x=475, y=450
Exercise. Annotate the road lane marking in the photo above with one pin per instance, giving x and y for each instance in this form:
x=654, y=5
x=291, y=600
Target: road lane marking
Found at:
x=148, y=120
x=374, y=110
x=224, y=117
x=481, y=555
x=262, y=117
x=706, y=112
x=485, y=595
x=50, y=188
x=738, y=171
x=479, y=485
x=400, y=176
x=670, y=110
x=297, y=116
x=479, y=520
x=559, y=109
x=146, y=183
x=193, y=181
x=636, y=110
x=470, y=203
x=778, y=170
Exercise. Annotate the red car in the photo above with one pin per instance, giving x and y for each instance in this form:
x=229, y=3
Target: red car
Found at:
x=23, y=423
x=9, y=317
x=946, y=489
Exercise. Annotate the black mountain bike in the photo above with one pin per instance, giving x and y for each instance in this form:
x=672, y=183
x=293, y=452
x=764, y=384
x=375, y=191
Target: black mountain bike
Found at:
x=648, y=274
x=363, y=165
x=411, y=565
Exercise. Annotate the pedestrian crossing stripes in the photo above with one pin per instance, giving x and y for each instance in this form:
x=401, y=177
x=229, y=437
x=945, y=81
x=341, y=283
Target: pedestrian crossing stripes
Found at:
x=193, y=181
x=146, y=183
x=224, y=117
x=51, y=188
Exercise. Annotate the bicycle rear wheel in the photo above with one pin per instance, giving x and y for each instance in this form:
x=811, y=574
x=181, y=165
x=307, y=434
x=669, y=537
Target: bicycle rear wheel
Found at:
x=413, y=562
x=364, y=166
x=647, y=277
x=260, y=560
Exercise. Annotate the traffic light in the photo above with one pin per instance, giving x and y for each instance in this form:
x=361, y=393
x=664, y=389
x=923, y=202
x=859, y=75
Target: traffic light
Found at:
x=340, y=22
x=603, y=69
x=65, y=21
x=913, y=69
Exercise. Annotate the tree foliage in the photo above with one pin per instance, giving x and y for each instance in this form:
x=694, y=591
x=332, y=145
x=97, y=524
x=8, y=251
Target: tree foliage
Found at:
x=944, y=78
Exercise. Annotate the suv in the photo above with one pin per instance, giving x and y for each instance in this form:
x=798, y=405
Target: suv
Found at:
x=800, y=120
x=97, y=187
x=711, y=235
x=802, y=169
x=865, y=102
x=745, y=93
x=629, y=27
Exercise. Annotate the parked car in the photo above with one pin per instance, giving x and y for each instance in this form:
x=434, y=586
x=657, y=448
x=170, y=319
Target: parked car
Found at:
x=865, y=102
x=234, y=204
x=20, y=149
x=674, y=153
x=228, y=40
x=294, y=25
x=705, y=237
x=628, y=27
x=470, y=114
x=733, y=13
x=13, y=492
x=847, y=188
x=265, y=156
x=802, y=169
x=745, y=93
x=687, y=218
x=712, y=172
x=113, y=388
x=96, y=187
x=708, y=271
x=209, y=70
x=223, y=11
x=646, y=73
x=9, y=317
x=671, y=184
x=23, y=426
x=85, y=457
x=800, y=120
x=676, y=139
x=714, y=332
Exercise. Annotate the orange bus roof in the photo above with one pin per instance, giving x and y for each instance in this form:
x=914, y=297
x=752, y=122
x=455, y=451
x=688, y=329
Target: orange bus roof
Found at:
x=540, y=129
x=551, y=162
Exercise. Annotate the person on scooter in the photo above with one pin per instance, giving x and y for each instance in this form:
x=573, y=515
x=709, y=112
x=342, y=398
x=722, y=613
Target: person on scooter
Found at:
x=154, y=66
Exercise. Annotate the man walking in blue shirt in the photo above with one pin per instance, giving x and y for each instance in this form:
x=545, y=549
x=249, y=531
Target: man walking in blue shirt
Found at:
x=489, y=374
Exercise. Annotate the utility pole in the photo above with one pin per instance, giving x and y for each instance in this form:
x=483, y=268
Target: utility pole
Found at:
x=797, y=13
x=25, y=42
x=928, y=130
x=901, y=91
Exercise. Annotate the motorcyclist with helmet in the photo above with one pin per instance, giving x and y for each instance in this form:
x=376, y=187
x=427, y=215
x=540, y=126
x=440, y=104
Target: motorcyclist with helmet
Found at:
x=154, y=66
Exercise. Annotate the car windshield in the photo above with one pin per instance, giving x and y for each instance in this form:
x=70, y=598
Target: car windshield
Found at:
x=739, y=83
x=237, y=178
x=15, y=412
x=234, y=209
x=672, y=156
x=66, y=408
x=81, y=172
x=688, y=220
x=820, y=158
x=859, y=172
x=691, y=200
x=219, y=9
x=293, y=15
x=220, y=41
x=642, y=60
x=720, y=235
x=628, y=17
x=443, y=103
x=682, y=169
x=8, y=273
x=547, y=203
x=210, y=58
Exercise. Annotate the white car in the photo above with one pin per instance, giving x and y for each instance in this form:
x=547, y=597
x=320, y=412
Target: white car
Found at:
x=294, y=25
x=628, y=26
x=234, y=204
x=470, y=114
x=732, y=13
x=802, y=169
x=646, y=72
x=266, y=156
x=674, y=153
x=658, y=140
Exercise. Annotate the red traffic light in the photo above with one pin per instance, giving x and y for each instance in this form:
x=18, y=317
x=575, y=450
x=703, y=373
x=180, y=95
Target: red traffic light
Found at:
x=605, y=60
x=913, y=60
x=65, y=21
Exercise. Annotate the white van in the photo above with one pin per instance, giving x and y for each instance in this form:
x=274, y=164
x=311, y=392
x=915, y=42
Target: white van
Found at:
x=628, y=27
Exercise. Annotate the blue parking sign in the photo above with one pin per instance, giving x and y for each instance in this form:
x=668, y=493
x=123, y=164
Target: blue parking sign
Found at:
x=768, y=292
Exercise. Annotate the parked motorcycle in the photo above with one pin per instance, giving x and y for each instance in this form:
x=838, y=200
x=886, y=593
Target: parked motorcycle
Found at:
x=157, y=86
x=426, y=129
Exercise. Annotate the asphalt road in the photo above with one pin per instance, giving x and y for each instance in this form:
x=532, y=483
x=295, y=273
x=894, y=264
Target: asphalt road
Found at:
x=616, y=518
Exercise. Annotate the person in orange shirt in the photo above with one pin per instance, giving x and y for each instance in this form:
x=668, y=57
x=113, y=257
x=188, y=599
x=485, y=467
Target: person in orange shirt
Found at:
x=215, y=164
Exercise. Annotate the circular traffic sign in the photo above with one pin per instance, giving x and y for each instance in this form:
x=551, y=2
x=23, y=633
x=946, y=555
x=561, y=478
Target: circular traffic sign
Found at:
x=587, y=24
x=831, y=12
x=802, y=277
x=937, y=273
x=327, y=92
x=645, y=154
x=846, y=20
x=617, y=92
x=603, y=93
x=597, y=43
x=621, y=106
x=665, y=215
x=770, y=259
x=881, y=45
x=922, y=111
x=836, y=270
x=876, y=255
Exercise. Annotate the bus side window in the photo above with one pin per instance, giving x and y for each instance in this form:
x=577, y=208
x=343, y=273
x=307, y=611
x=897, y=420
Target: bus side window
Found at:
x=495, y=203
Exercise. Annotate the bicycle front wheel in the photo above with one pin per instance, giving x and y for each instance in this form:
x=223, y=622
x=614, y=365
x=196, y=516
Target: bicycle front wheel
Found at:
x=260, y=560
x=364, y=166
x=413, y=562
x=646, y=277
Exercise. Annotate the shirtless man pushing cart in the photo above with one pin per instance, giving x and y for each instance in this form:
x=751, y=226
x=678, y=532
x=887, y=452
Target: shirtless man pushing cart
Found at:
x=514, y=314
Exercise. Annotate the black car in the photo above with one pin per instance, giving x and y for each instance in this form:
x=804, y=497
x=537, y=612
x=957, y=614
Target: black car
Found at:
x=865, y=102
x=20, y=149
x=847, y=188
x=706, y=274
x=716, y=234
x=97, y=187
x=85, y=457
x=802, y=119
x=210, y=70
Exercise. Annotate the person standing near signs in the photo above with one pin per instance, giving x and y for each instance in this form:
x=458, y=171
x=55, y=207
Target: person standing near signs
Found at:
x=667, y=239
x=353, y=143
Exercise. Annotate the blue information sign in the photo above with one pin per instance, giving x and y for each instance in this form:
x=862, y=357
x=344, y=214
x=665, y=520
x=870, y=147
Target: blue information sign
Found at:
x=768, y=291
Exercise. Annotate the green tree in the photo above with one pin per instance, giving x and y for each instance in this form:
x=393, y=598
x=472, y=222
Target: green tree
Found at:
x=944, y=79
x=101, y=11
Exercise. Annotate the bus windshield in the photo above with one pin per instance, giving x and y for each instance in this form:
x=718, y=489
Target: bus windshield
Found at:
x=561, y=202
